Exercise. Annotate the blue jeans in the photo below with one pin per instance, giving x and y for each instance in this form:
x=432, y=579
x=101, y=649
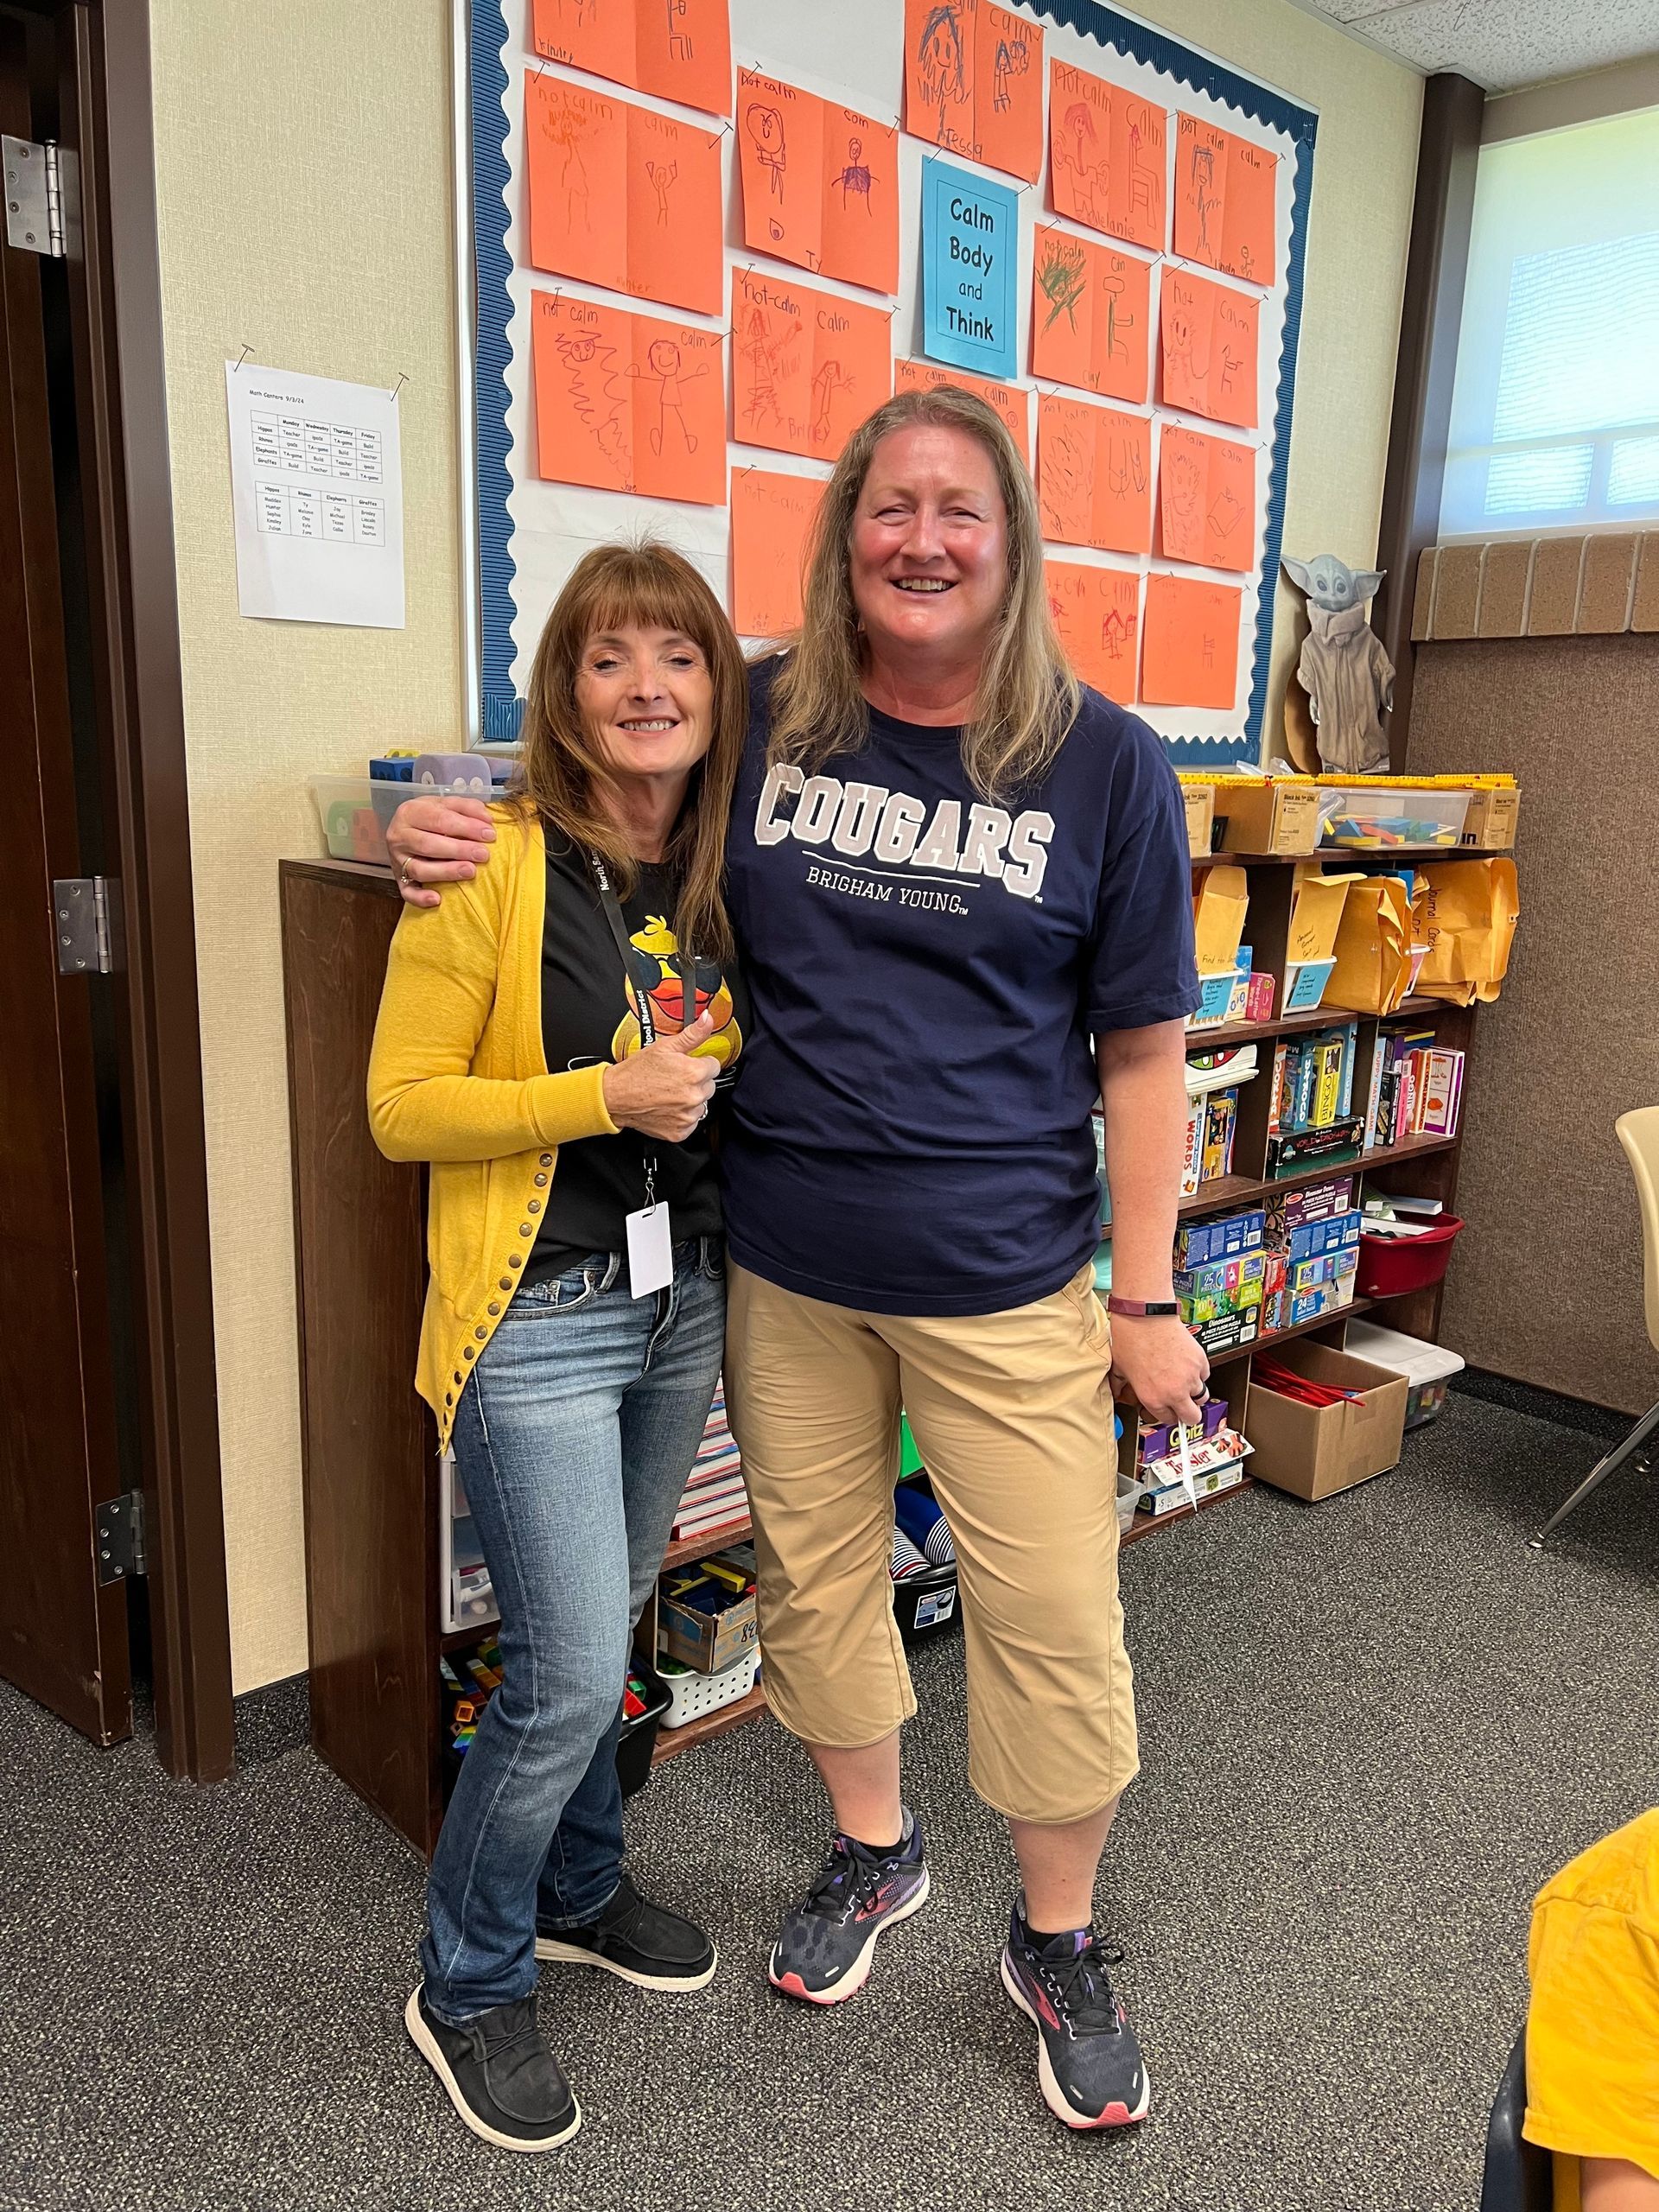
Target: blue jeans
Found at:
x=575, y=1441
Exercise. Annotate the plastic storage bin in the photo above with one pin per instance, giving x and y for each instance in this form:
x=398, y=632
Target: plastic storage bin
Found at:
x=639, y=1738
x=1375, y=816
x=1391, y=1266
x=355, y=811
x=690, y=1695
x=1428, y=1368
x=924, y=1603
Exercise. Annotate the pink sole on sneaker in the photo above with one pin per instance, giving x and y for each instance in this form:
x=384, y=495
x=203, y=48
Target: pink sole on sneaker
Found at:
x=1116, y=2114
x=859, y=1973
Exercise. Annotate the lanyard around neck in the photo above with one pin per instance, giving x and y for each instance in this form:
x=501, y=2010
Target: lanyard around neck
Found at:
x=625, y=948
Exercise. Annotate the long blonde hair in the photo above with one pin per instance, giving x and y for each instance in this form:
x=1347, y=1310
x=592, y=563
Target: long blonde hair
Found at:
x=560, y=771
x=1027, y=697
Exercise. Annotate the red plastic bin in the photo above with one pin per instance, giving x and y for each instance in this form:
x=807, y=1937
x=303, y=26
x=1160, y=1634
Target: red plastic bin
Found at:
x=1391, y=1266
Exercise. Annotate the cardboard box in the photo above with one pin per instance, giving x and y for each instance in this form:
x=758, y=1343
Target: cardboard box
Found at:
x=1314, y=1452
x=1490, y=823
x=708, y=1642
x=1200, y=816
x=1278, y=814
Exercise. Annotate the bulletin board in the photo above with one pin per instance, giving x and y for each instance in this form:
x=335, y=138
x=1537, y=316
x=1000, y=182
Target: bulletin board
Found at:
x=691, y=259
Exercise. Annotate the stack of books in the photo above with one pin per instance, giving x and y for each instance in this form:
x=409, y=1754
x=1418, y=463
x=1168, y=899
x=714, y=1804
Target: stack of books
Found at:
x=715, y=1497
x=1416, y=1088
x=1311, y=1116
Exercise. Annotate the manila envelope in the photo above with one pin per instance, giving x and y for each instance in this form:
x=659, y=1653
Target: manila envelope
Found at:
x=1316, y=914
x=1373, y=948
x=1473, y=906
x=1219, y=910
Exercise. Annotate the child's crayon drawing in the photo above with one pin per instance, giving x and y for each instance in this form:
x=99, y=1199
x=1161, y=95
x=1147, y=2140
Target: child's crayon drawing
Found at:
x=1094, y=476
x=1209, y=344
x=974, y=82
x=772, y=521
x=1226, y=211
x=1189, y=643
x=1107, y=152
x=675, y=49
x=820, y=183
x=807, y=366
x=1206, y=499
x=1097, y=614
x=626, y=404
x=622, y=196
x=1090, y=309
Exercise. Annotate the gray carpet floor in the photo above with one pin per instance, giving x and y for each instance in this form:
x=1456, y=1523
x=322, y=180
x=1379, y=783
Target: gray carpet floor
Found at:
x=1370, y=1730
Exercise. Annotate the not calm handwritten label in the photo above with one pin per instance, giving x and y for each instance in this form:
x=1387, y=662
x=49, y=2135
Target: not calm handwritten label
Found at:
x=970, y=236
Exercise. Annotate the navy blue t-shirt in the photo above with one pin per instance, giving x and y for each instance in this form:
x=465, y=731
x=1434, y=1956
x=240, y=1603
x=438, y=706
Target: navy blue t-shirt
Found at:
x=911, y=1131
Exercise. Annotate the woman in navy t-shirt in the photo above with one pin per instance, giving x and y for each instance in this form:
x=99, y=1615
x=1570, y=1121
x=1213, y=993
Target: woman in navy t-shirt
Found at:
x=960, y=886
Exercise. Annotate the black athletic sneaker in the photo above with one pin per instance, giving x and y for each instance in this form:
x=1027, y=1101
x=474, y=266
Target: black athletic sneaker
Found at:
x=638, y=1940
x=1088, y=2060
x=501, y=2077
x=823, y=1953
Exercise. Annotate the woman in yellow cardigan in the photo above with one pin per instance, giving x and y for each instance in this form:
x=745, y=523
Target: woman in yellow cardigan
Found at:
x=550, y=1040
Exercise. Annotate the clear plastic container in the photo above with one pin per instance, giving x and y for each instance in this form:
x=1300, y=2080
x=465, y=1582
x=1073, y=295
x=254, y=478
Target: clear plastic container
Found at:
x=1428, y=1368
x=355, y=811
x=1374, y=815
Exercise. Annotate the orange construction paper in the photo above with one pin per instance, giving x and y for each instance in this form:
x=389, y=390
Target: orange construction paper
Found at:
x=1225, y=207
x=1106, y=151
x=1206, y=499
x=974, y=82
x=1011, y=401
x=626, y=404
x=1094, y=476
x=820, y=183
x=622, y=196
x=677, y=50
x=1189, y=643
x=1209, y=348
x=1090, y=309
x=807, y=366
x=1097, y=614
x=772, y=521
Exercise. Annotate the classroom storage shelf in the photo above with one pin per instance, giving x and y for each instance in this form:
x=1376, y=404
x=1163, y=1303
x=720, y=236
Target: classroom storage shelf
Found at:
x=370, y=1473
x=671, y=1741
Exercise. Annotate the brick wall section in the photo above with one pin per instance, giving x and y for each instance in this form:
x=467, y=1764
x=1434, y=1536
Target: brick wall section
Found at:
x=1595, y=586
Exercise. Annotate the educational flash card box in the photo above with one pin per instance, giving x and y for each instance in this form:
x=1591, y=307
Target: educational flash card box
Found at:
x=1315, y=1450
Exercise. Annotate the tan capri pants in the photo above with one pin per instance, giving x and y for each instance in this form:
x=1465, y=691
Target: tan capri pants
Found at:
x=1013, y=1414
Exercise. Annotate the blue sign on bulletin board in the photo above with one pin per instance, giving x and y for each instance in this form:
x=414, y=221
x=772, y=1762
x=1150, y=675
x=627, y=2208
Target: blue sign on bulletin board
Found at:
x=970, y=248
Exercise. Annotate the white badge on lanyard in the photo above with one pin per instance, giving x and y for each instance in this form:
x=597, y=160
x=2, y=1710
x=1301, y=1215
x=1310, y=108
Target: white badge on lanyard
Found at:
x=651, y=1250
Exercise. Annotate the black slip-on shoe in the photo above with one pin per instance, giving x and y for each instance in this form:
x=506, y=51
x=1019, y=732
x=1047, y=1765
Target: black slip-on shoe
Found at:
x=499, y=2074
x=638, y=1941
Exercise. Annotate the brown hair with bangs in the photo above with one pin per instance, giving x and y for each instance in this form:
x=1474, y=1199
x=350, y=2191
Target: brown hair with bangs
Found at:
x=562, y=772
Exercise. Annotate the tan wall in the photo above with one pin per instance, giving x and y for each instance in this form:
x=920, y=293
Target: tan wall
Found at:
x=304, y=183
x=304, y=197
x=1547, y=1281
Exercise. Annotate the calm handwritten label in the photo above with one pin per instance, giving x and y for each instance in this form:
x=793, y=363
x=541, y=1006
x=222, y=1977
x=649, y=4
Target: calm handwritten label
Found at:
x=970, y=236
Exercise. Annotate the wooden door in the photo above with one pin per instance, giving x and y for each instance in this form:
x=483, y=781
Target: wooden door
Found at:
x=63, y=1635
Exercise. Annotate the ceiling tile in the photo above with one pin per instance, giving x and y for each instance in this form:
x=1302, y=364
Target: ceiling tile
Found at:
x=1503, y=43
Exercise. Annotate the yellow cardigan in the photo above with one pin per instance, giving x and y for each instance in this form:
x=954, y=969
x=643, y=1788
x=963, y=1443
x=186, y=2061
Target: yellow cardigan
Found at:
x=458, y=1077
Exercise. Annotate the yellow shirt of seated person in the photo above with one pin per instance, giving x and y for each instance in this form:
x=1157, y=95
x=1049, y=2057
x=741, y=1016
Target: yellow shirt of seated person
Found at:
x=1592, y=2026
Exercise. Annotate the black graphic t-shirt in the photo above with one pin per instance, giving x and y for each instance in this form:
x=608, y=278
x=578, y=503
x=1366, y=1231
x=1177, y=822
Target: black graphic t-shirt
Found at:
x=912, y=1133
x=587, y=1014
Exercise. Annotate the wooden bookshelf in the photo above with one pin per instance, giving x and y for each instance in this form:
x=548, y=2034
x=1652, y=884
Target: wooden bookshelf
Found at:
x=712, y=1540
x=1151, y=1524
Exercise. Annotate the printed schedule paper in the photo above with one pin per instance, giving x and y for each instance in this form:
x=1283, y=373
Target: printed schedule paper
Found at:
x=317, y=489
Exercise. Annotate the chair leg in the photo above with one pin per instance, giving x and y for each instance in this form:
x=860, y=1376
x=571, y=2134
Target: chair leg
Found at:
x=1632, y=1447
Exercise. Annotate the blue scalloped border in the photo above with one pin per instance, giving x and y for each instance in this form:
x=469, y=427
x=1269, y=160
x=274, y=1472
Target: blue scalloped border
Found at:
x=500, y=706
x=1142, y=43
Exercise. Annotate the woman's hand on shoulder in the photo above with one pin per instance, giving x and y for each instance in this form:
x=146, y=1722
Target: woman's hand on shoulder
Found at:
x=443, y=839
x=664, y=1090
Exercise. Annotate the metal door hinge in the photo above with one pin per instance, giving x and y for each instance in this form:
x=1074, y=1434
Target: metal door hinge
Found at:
x=43, y=197
x=120, y=1524
x=87, y=917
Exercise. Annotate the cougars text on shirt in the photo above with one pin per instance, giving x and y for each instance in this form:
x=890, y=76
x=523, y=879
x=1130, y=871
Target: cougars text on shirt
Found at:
x=867, y=820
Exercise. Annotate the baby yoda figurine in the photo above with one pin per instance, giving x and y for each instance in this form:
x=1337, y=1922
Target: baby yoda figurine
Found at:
x=1348, y=677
